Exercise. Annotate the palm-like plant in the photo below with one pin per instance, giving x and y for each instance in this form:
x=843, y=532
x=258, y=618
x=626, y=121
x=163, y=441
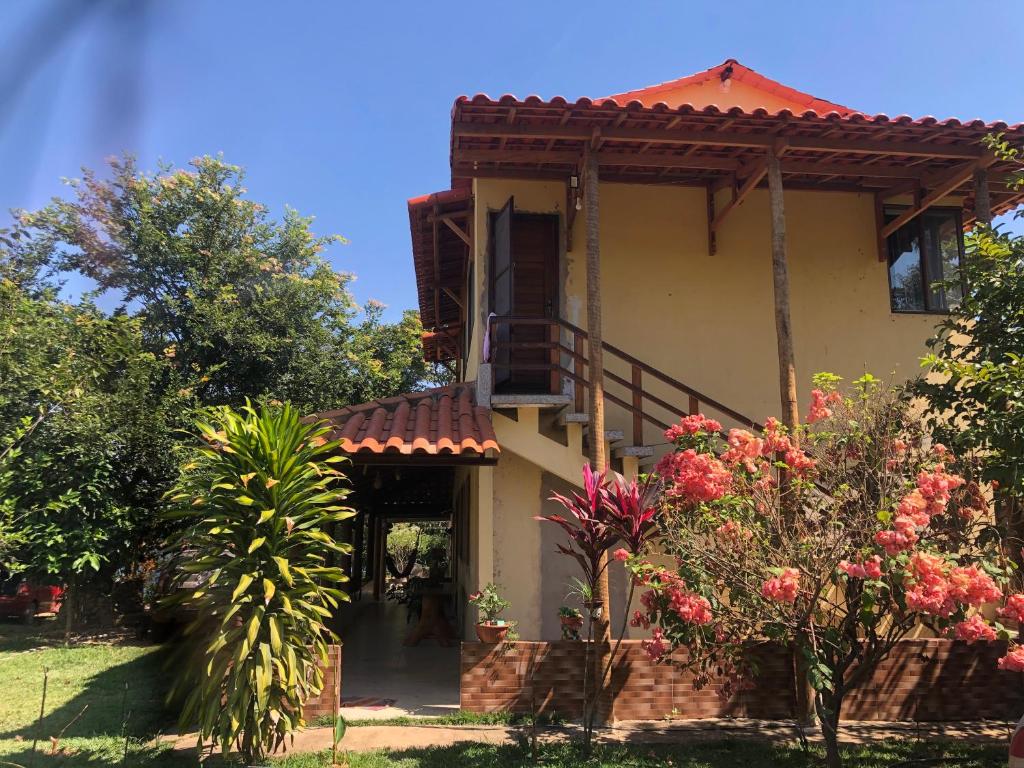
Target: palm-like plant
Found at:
x=260, y=496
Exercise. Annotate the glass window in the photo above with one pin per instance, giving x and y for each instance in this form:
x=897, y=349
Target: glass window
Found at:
x=924, y=262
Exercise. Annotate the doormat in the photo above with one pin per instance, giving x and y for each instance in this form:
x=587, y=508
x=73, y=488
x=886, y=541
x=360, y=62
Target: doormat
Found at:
x=367, y=702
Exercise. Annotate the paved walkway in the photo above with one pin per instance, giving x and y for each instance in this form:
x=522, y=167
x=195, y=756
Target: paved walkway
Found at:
x=395, y=680
x=397, y=738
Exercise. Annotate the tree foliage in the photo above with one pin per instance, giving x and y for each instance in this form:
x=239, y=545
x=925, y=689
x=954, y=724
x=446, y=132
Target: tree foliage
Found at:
x=838, y=552
x=259, y=498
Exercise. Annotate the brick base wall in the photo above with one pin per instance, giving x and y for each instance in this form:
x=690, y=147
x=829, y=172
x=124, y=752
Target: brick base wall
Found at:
x=922, y=680
x=323, y=704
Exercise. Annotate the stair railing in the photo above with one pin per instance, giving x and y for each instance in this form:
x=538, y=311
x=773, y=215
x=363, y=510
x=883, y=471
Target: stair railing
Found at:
x=638, y=397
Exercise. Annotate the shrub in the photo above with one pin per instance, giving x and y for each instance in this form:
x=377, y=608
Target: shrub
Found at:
x=260, y=497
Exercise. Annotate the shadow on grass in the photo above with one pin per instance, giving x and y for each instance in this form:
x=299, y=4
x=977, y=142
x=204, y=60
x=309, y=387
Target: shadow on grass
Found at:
x=126, y=699
x=716, y=754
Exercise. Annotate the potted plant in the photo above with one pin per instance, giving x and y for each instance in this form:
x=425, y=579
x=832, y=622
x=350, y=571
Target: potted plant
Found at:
x=490, y=629
x=572, y=622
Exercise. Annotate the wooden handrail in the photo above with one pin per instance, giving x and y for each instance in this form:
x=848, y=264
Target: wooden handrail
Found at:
x=634, y=385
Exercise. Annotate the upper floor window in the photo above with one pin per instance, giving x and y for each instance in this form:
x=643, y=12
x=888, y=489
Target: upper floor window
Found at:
x=924, y=261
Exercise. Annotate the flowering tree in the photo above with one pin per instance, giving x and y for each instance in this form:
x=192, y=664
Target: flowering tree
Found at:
x=606, y=514
x=838, y=552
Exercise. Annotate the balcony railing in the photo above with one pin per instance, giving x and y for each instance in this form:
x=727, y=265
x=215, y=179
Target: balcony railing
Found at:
x=633, y=394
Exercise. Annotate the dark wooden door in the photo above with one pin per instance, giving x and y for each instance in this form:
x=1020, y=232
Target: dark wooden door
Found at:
x=531, y=292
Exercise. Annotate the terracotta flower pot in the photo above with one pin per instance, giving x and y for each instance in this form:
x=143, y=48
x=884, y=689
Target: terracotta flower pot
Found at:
x=491, y=633
x=573, y=622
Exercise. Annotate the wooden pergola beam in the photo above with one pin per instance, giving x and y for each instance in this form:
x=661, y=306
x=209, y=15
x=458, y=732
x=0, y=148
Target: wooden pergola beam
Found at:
x=719, y=138
x=947, y=185
x=608, y=159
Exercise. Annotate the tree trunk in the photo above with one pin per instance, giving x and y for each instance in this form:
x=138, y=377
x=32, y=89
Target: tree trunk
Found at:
x=828, y=714
x=69, y=609
x=780, y=283
x=595, y=376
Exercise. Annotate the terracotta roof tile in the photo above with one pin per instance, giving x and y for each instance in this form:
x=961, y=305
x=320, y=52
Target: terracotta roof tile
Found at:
x=444, y=421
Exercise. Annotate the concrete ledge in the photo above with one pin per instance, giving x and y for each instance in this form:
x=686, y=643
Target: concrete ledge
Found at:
x=633, y=451
x=530, y=401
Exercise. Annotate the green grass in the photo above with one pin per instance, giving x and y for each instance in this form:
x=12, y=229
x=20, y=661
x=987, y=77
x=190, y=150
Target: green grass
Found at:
x=720, y=754
x=86, y=700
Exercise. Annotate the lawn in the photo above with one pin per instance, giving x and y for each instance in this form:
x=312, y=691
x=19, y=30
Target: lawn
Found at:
x=99, y=691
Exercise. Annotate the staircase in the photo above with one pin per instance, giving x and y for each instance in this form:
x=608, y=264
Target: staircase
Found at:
x=639, y=408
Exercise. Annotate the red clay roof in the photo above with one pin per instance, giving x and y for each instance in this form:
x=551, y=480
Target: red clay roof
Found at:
x=438, y=247
x=732, y=70
x=436, y=422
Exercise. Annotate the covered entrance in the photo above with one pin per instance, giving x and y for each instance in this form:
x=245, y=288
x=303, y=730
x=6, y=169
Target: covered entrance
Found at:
x=412, y=458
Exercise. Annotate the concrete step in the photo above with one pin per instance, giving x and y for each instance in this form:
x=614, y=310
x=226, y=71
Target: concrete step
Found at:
x=568, y=417
x=508, y=402
x=633, y=452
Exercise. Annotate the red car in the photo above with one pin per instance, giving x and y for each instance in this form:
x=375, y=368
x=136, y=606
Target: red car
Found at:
x=25, y=599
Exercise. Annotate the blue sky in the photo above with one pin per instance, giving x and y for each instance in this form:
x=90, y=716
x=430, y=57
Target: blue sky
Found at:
x=340, y=109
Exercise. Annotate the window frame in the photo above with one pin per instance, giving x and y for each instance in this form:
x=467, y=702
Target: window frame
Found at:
x=918, y=223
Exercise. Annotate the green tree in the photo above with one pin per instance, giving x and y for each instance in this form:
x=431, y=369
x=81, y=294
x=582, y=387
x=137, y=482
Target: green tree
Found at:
x=259, y=499
x=975, y=382
x=243, y=305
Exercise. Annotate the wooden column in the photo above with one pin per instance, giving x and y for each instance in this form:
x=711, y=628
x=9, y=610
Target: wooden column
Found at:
x=780, y=283
x=598, y=446
x=595, y=348
x=356, y=585
x=982, y=201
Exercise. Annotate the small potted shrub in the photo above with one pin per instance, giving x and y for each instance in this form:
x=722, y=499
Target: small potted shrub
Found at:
x=572, y=622
x=490, y=629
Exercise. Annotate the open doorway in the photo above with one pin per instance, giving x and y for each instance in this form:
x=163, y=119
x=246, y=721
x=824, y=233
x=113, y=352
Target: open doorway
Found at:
x=400, y=633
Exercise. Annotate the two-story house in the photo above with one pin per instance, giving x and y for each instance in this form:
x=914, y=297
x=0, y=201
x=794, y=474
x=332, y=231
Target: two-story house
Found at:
x=722, y=235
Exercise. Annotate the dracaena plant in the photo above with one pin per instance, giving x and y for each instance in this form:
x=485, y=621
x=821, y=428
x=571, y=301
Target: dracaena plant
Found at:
x=605, y=514
x=259, y=497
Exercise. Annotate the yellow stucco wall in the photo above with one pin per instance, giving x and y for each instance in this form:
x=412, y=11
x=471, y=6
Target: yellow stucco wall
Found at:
x=708, y=320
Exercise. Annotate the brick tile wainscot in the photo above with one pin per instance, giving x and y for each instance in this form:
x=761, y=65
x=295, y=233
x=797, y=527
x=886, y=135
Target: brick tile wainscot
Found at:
x=922, y=680
x=323, y=704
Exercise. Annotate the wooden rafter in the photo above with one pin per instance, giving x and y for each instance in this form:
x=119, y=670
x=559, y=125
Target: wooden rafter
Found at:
x=951, y=182
x=719, y=138
x=757, y=173
x=463, y=235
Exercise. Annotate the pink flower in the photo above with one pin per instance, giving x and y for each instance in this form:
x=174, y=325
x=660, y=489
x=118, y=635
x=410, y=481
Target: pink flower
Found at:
x=775, y=440
x=691, y=425
x=732, y=533
x=936, y=487
x=974, y=629
x=1014, y=608
x=782, y=588
x=902, y=538
x=690, y=607
x=798, y=461
x=972, y=586
x=1013, y=661
x=656, y=646
x=820, y=401
x=694, y=477
x=621, y=554
x=640, y=620
x=744, y=449
x=862, y=569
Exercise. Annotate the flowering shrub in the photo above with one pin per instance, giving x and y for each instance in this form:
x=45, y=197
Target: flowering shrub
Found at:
x=838, y=539
x=489, y=603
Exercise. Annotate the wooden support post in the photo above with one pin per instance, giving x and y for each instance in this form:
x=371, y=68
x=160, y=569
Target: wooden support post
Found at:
x=598, y=446
x=356, y=585
x=982, y=200
x=780, y=283
x=638, y=406
x=712, y=239
x=694, y=406
x=578, y=366
x=881, y=242
x=375, y=562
